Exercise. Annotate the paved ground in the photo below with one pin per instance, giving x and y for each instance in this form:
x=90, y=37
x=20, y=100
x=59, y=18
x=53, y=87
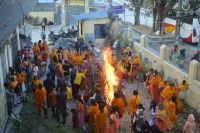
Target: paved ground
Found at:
x=49, y=125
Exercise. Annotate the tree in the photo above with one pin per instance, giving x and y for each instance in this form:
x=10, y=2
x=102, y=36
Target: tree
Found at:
x=137, y=4
x=161, y=9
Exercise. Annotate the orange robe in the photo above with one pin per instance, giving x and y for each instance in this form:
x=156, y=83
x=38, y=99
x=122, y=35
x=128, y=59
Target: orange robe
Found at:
x=161, y=87
x=100, y=122
x=35, y=85
x=119, y=102
x=52, y=54
x=46, y=47
x=58, y=68
x=70, y=55
x=132, y=104
x=137, y=62
x=168, y=92
x=155, y=92
x=35, y=50
x=20, y=78
x=40, y=97
x=78, y=59
x=170, y=109
x=92, y=110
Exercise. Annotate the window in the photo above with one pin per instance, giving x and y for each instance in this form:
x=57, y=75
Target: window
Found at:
x=99, y=31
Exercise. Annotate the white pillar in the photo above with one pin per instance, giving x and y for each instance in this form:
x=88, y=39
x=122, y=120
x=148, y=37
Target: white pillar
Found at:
x=142, y=40
x=63, y=12
x=193, y=69
x=1, y=74
x=10, y=55
x=87, y=6
x=163, y=52
x=6, y=57
x=18, y=39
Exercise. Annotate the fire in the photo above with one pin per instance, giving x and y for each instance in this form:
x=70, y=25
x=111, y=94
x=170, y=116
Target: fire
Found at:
x=111, y=78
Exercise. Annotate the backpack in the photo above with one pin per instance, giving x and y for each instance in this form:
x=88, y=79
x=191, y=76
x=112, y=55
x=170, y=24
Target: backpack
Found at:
x=182, y=95
x=54, y=58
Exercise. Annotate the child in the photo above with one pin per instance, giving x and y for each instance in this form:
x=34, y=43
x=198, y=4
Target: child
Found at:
x=74, y=118
x=190, y=124
x=139, y=123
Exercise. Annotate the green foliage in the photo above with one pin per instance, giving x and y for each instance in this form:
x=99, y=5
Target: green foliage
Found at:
x=59, y=128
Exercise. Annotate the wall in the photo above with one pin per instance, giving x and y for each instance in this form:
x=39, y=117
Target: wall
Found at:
x=88, y=28
x=6, y=61
x=160, y=63
x=49, y=15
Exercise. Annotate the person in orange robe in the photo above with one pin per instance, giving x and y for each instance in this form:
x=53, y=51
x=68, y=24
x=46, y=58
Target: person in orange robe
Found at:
x=46, y=47
x=70, y=54
x=148, y=77
x=92, y=111
x=170, y=109
x=100, y=120
x=80, y=109
x=137, y=63
x=40, y=45
x=133, y=103
x=35, y=49
x=120, y=71
x=62, y=51
x=20, y=77
x=117, y=101
x=180, y=102
x=35, y=84
x=40, y=97
x=58, y=69
x=154, y=83
x=78, y=59
x=161, y=86
x=52, y=55
x=161, y=120
x=168, y=92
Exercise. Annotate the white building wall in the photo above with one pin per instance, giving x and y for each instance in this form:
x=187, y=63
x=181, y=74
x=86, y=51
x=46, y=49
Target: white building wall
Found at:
x=3, y=107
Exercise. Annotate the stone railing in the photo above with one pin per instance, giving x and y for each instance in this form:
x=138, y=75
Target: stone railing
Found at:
x=160, y=63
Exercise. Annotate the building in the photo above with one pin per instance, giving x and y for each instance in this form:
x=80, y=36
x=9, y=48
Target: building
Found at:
x=48, y=11
x=91, y=26
x=12, y=14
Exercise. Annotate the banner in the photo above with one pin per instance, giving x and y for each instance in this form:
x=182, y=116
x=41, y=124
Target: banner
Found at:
x=76, y=2
x=118, y=9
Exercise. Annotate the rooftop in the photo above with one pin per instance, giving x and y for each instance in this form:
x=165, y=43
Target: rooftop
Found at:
x=91, y=16
x=11, y=15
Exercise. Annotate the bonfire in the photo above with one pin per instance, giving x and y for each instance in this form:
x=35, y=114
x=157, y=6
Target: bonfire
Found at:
x=111, y=77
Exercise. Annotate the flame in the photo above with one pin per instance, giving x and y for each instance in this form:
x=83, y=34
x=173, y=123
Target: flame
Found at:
x=111, y=78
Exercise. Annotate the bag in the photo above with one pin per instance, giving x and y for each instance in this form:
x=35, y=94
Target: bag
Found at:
x=54, y=58
x=182, y=95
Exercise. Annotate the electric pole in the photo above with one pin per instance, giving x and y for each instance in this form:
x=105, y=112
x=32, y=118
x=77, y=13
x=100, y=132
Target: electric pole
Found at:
x=178, y=22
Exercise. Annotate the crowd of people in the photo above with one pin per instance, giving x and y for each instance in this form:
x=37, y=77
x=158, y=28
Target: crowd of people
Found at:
x=76, y=76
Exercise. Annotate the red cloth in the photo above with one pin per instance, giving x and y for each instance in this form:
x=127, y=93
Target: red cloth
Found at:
x=75, y=120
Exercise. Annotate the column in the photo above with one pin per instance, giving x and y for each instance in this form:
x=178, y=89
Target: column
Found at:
x=10, y=55
x=63, y=17
x=1, y=74
x=193, y=69
x=87, y=6
x=18, y=39
x=142, y=40
x=163, y=52
x=6, y=57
